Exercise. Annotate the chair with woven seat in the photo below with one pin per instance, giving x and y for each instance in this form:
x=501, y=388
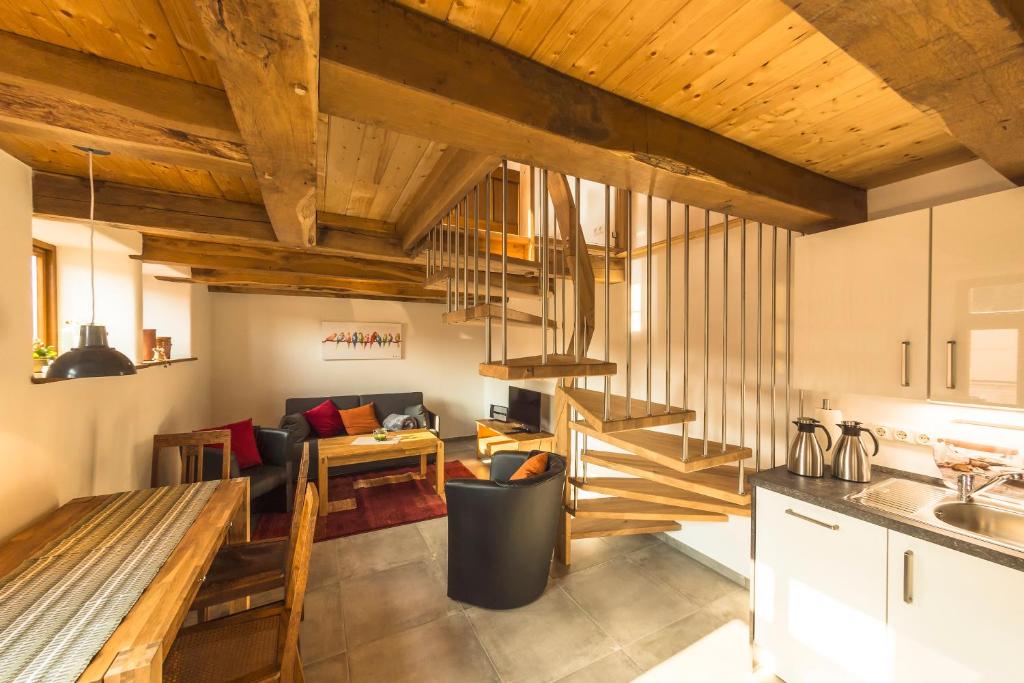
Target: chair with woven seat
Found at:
x=192, y=450
x=260, y=644
x=246, y=569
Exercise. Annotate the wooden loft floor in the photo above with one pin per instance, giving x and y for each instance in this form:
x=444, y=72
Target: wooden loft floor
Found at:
x=351, y=127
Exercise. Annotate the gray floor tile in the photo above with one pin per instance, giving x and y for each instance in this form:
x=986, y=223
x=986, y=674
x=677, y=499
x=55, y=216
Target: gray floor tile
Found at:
x=590, y=552
x=626, y=604
x=393, y=600
x=615, y=668
x=323, y=563
x=322, y=632
x=443, y=650
x=540, y=642
x=331, y=670
x=676, y=638
x=435, y=534
x=366, y=553
x=665, y=565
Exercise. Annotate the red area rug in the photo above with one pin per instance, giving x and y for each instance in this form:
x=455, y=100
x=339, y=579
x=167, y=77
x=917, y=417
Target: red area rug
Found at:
x=378, y=506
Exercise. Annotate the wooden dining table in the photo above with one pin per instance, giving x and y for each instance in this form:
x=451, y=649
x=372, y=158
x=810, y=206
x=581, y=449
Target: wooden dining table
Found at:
x=137, y=647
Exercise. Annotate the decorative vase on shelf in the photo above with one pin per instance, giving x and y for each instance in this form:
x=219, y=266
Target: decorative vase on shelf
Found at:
x=148, y=343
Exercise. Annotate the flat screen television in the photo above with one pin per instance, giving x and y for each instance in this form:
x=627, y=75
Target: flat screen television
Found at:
x=524, y=408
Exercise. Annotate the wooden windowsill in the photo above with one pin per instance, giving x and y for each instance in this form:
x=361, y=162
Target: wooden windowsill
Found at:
x=157, y=363
x=138, y=366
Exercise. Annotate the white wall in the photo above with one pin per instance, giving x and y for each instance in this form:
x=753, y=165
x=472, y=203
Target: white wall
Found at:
x=80, y=437
x=962, y=181
x=267, y=348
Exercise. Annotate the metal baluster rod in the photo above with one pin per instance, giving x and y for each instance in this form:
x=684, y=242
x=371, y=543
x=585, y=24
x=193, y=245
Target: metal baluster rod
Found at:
x=775, y=261
x=465, y=253
x=607, y=296
x=686, y=325
x=487, y=264
x=448, y=262
x=707, y=323
x=668, y=305
x=476, y=246
x=577, y=318
x=629, y=303
x=789, y=324
x=648, y=312
x=725, y=329
x=743, y=348
x=544, y=265
x=458, y=254
x=504, y=261
x=757, y=395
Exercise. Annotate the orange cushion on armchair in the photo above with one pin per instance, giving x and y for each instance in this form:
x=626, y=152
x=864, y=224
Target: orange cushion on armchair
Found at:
x=361, y=420
x=534, y=465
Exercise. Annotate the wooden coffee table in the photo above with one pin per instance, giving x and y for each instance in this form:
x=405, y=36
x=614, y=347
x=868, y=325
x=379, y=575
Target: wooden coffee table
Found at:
x=342, y=450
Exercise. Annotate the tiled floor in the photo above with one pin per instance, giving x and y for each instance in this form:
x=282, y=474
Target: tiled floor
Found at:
x=630, y=608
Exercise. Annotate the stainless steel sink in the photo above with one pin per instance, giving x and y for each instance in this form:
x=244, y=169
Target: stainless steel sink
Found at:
x=986, y=518
x=998, y=524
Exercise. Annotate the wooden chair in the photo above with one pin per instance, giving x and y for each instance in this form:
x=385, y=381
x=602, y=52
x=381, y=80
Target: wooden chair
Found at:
x=190, y=450
x=245, y=569
x=260, y=644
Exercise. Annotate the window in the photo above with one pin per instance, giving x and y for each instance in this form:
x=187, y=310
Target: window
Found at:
x=44, y=292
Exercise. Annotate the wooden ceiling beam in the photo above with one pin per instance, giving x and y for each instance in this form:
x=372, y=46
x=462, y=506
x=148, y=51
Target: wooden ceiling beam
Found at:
x=457, y=172
x=307, y=291
x=391, y=66
x=267, y=54
x=172, y=214
x=339, y=221
x=961, y=58
x=184, y=252
x=223, y=276
x=60, y=95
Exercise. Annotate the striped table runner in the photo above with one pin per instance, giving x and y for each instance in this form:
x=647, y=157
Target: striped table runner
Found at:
x=60, y=606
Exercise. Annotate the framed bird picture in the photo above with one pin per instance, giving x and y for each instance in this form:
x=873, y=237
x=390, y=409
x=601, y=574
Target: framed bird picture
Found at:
x=361, y=341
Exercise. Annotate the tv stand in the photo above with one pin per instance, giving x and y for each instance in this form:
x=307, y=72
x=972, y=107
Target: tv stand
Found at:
x=497, y=435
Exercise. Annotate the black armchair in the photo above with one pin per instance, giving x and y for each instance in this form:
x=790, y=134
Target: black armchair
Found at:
x=276, y=473
x=501, y=534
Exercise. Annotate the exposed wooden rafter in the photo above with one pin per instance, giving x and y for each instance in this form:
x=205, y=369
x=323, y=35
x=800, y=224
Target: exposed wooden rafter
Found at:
x=267, y=54
x=187, y=216
x=388, y=65
x=961, y=58
x=223, y=276
x=61, y=95
x=305, y=291
x=457, y=172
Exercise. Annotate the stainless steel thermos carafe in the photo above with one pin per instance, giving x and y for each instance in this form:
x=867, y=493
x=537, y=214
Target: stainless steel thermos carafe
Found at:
x=806, y=457
x=850, y=460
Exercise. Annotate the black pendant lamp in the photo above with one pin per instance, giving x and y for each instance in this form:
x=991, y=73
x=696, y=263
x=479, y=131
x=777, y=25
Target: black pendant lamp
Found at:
x=93, y=357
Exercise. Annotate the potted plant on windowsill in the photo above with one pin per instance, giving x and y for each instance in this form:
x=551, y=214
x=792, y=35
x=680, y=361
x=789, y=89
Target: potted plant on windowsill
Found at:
x=42, y=355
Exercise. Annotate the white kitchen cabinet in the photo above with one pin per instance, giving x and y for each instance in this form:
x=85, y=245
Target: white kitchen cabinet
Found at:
x=952, y=617
x=977, y=302
x=819, y=587
x=860, y=308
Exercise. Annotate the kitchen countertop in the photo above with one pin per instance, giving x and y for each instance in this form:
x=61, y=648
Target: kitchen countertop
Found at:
x=831, y=493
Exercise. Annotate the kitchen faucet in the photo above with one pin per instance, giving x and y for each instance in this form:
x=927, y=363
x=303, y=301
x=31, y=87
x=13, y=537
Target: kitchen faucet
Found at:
x=965, y=484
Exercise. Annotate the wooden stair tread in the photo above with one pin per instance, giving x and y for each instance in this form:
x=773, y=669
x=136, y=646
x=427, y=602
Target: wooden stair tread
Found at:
x=596, y=527
x=666, y=449
x=715, y=482
x=651, y=491
x=628, y=508
x=481, y=312
x=590, y=404
x=557, y=365
x=518, y=286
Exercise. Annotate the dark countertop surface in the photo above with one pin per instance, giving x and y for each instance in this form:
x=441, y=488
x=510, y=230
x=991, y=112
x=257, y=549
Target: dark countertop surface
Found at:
x=831, y=493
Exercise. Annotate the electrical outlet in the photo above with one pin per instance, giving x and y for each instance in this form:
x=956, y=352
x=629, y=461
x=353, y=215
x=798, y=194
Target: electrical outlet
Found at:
x=901, y=434
x=882, y=432
x=923, y=439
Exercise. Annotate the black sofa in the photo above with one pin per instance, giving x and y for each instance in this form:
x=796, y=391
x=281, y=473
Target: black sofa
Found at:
x=271, y=485
x=501, y=533
x=383, y=405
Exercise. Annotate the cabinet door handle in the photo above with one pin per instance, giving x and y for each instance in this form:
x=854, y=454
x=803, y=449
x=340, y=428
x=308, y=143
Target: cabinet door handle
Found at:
x=904, y=364
x=908, y=577
x=951, y=364
x=791, y=511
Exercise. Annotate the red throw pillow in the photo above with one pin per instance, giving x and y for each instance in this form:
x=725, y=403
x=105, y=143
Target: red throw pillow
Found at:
x=243, y=443
x=361, y=420
x=324, y=420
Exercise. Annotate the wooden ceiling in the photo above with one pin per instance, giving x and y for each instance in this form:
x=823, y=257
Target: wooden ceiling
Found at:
x=751, y=70
x=759, y=109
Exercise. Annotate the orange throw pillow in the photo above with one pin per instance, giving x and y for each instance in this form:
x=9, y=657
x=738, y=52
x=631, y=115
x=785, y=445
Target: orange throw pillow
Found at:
x=534, y=465
x=361, y=420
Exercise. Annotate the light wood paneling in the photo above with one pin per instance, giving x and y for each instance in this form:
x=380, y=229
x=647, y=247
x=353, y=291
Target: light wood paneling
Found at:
x=751, y=70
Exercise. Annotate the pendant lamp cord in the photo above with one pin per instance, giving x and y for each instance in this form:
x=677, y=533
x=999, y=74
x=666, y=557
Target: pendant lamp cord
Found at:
x=92, y=239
